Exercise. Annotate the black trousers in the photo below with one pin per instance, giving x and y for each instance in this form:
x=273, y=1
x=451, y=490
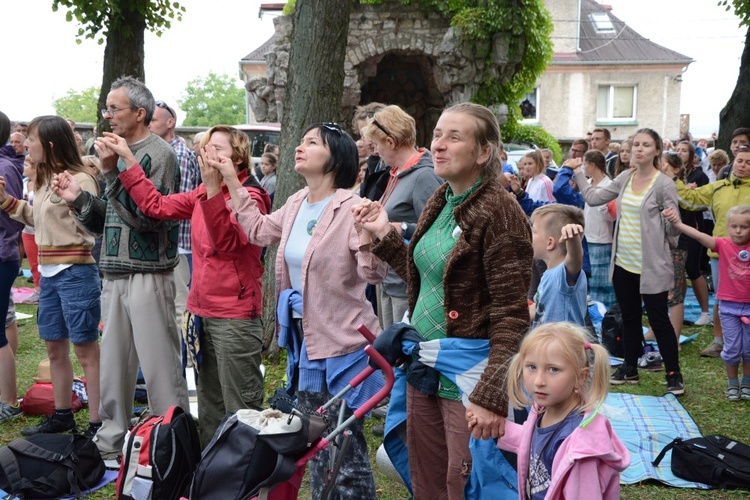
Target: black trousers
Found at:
x=627, y=290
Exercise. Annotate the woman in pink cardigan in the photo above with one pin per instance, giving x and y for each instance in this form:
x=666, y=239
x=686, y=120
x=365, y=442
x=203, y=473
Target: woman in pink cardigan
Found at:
x=319, y=260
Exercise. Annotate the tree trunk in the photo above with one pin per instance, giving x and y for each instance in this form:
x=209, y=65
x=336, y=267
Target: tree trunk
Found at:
x=123, y=53
x=314, y=89
x=737, y=111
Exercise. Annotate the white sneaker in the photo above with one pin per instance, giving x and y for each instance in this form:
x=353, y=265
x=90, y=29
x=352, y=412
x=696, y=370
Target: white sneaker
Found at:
x=704, y=320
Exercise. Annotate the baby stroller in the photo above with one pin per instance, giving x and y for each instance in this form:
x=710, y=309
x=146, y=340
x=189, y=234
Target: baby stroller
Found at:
x=263, y=455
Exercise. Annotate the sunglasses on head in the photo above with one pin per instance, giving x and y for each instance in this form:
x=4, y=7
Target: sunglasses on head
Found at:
x=333, y=127
x=164, y=105
x=381, y=127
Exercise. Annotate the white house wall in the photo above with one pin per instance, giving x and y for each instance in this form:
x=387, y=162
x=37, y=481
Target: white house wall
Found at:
x=568, y=94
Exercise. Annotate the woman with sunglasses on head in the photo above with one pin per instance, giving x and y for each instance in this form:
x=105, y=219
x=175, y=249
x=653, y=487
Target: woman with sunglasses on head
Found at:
x=320, y=287
x=69, y=309
x=411, y=182
x=468, y=268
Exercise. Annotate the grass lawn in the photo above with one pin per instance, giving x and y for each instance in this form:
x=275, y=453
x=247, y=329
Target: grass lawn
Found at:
x=704, y=399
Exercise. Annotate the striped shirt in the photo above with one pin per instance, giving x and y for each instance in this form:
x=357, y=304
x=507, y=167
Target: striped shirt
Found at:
x=190, y=178
x=629, y=248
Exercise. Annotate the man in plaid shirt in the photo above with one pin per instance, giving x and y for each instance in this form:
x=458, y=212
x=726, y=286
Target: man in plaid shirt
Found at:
x=163, y=124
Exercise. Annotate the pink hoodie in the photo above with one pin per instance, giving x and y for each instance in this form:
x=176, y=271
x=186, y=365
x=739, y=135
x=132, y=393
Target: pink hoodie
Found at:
x=587, y=464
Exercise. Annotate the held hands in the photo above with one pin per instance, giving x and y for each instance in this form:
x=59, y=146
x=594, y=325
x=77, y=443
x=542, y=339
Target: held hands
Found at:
x=671, y=215
x=65, y=186
x=215, y=168
x=570, y=231
x=371, y=217
x=483, y=423
x=110, y=148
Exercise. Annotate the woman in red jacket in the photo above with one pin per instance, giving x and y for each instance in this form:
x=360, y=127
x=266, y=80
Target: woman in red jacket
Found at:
x=225, y=293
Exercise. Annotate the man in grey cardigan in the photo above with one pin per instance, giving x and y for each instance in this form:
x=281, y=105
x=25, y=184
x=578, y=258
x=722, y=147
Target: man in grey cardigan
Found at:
x=137, y=261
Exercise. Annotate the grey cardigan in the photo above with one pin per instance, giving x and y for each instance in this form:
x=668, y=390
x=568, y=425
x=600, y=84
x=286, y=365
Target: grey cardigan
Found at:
x=657, y=235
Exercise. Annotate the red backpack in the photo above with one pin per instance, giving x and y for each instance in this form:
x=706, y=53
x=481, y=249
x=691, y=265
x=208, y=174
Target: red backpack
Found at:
x=160, y=456
x=40, y=400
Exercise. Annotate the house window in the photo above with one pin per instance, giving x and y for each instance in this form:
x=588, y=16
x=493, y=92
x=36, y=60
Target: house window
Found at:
x=602, y=22
x=616, y=102
x=530, y=105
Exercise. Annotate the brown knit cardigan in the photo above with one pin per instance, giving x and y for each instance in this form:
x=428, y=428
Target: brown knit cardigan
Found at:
x=486, y=278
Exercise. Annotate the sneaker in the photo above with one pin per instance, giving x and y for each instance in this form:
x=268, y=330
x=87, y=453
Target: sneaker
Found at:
x=624, y=375
x=112, y=460
x=31, y=299
x=704, y=320
x=651, y=362
x=733, y=393
x=52, y=424
x=713, y=350
x=675, y=384
x=8, y=412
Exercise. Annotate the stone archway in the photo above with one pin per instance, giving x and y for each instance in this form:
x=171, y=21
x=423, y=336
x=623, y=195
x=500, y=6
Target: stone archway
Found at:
x=406, y=80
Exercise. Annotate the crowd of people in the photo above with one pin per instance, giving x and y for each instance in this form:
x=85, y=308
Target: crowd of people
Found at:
x=474, y=253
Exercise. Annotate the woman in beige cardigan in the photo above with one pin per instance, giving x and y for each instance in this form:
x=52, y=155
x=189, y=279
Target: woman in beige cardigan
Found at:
x=641, y=268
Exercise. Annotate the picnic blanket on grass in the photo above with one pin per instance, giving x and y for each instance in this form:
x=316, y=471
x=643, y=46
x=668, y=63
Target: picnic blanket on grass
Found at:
x=646, y=424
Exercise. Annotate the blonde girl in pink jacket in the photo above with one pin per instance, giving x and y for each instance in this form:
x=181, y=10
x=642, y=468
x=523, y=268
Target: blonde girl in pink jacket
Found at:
x=566, y=448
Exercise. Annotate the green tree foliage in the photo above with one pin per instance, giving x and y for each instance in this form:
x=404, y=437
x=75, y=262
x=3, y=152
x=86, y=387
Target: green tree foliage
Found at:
x=514, y=131
x=736, y=112
x=213, y=100
x=78, y=105
x=122, y=24
x=97, y=18
x=741, y=9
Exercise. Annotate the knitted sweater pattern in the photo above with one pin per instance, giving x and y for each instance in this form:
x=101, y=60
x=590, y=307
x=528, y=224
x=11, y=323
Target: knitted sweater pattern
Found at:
x=132, y=242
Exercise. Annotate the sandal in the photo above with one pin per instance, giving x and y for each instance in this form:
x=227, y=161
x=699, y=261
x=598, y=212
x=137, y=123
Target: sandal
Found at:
x=745, y=392
x=733, y=393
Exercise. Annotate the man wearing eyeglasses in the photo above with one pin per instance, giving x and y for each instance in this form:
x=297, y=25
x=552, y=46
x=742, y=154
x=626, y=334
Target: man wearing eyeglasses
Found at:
x=163, y=124
x=137, y=262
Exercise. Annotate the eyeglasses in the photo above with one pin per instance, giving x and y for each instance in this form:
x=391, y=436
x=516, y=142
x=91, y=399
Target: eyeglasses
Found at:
x=381, y=127
x=577, y=151
x=163, y=105
x=111, y=111
x=332, y=126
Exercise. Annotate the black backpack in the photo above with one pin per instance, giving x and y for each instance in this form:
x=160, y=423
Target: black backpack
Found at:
x=50, y=466
x=240, y=461
x=160, y=455
x=612, y=331
x=715, y=460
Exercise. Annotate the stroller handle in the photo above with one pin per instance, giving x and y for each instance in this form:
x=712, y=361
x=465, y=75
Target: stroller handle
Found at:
x=385, y=367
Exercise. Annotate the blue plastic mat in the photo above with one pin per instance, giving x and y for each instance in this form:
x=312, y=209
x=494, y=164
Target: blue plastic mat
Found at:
x=693, y=310
x=646, y=424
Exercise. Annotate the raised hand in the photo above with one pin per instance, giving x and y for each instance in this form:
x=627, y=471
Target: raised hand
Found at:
x=114, y=146
x=212, y=177
x=213, y=159
x=570, y=231
x=65, y=186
